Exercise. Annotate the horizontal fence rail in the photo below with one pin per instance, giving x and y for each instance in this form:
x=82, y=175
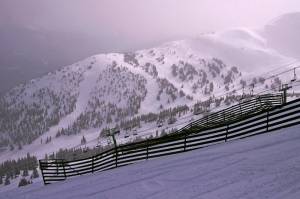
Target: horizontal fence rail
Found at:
x=269, y=116
x=245, y=108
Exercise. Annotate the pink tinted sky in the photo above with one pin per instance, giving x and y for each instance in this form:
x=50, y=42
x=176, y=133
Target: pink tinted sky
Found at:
x=143, y=20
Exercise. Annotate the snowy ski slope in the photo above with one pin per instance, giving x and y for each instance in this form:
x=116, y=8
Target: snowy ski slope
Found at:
x=264, y=166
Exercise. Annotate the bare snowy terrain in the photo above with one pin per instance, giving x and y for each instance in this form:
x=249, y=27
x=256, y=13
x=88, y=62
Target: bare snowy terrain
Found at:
x=264, y=166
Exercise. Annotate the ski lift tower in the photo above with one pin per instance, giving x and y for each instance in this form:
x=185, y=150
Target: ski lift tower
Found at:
x=112, y=133
x=284, y=89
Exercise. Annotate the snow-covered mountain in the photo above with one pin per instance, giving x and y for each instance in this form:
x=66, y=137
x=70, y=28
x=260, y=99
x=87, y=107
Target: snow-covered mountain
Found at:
x=282, y=34
x=106, y=90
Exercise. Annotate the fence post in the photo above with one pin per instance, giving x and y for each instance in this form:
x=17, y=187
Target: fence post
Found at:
x=241, y=112
x=147, y=144
x=93, y=164
x=56, y=164
x=63, y=164
x=226, y=132
x=116, y=156
x=184, y=147
x=206, y=120
x=42, y=171
x=267, y=121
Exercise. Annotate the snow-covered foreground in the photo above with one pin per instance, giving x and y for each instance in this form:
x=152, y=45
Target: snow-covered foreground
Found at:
x=265, y=166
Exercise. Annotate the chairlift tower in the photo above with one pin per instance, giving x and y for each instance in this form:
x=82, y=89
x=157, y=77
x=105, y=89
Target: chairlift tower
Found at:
x=295, y=76
x=112, y=133
x=284, y=89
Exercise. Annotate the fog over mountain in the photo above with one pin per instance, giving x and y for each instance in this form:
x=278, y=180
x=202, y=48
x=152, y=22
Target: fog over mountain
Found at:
x=284, y=39
x=41, y=36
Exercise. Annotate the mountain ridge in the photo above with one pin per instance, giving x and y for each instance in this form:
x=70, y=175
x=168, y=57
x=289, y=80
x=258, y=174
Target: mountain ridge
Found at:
x=108, y=89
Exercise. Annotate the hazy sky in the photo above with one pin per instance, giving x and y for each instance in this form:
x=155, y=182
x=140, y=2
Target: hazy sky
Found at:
x=140, y=21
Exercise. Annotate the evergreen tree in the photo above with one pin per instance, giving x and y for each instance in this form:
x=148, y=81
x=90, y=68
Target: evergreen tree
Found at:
x=1, y=180
x=23, y=182
x=17, y=171
x=35, y=173
x=58, y=134
x=25, y=173
x=19, y=146
x=172, y=120
x=7, y=182
x=83, y=140
x=11, y=147
x=163, y=133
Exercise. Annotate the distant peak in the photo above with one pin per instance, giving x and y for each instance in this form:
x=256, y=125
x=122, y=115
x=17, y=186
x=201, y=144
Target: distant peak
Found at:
x=287, y=18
